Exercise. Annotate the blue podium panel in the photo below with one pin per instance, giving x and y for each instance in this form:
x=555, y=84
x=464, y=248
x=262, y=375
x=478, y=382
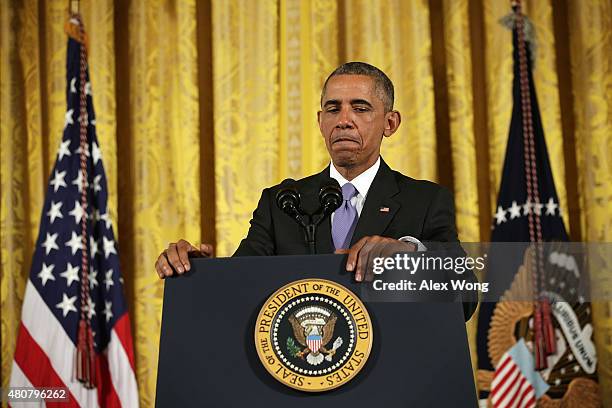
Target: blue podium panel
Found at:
x=207, y=358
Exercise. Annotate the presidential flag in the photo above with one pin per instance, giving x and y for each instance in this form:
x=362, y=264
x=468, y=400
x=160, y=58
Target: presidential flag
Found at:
x=75, y=330
x=528, y=212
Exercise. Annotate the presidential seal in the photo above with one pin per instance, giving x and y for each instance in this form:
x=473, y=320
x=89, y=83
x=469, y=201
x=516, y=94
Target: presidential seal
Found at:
x=313, y=335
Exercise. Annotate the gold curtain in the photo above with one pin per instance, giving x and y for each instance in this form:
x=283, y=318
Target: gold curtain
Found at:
x=201, y=104
x=591, y=50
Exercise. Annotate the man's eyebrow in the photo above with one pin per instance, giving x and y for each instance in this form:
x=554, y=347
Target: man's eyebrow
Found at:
x=332, y=102
x=353, y=102
x=360, y=102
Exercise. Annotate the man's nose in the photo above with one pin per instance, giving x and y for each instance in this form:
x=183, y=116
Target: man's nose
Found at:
x=345, y=120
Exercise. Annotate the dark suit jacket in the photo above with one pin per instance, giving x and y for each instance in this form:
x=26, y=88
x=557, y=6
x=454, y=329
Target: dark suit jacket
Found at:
x=421, y=209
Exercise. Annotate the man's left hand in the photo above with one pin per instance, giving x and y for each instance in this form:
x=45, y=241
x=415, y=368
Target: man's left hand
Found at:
x=361, y=255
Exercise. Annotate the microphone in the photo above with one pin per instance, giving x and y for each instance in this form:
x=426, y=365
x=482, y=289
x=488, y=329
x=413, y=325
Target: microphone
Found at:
x=330, y=197
x=288, y=200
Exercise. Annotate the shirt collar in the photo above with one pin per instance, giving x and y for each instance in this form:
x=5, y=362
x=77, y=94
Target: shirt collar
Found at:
x=362, y=182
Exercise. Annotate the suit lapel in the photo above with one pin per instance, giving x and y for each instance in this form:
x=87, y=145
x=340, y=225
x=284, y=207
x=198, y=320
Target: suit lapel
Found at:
x=379, y=207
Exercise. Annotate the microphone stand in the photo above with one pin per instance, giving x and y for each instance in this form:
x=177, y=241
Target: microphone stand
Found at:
x=314, y=221
x=311, y=232
x=330, y=197
x=288, y=200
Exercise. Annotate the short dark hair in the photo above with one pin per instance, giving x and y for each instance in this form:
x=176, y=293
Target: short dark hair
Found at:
x=384, y=86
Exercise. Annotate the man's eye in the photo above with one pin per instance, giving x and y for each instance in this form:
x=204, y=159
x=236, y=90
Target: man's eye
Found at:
x=361, y=109
x=332, y=110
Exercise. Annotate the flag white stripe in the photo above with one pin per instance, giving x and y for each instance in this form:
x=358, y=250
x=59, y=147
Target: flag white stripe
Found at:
x=506, y=401
x=499, y=375
x=122, y=375
x=527, y=398
x=506, y=384
x=520, y=392
x=18, y=379
x=49, y=334
x=524, y=399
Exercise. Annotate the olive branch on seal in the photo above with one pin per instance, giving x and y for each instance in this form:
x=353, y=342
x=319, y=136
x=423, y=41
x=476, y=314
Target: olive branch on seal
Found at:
x=292, y=348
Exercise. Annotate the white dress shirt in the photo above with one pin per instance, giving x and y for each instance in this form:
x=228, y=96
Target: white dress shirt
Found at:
x=362, y=184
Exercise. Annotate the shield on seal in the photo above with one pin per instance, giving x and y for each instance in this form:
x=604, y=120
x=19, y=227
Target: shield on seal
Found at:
x=314, y=342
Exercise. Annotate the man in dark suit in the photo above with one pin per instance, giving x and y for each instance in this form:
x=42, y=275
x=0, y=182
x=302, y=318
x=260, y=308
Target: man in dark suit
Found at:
x=397, y=207
x=383, y=210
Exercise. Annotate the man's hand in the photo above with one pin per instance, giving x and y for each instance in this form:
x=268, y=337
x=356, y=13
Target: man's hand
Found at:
x=176, y=257
x=361, y=255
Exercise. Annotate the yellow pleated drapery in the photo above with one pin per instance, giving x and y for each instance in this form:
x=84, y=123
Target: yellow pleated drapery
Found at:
x=202, y=104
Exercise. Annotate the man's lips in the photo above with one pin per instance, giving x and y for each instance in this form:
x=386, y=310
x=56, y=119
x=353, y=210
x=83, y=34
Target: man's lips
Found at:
x=345, y=139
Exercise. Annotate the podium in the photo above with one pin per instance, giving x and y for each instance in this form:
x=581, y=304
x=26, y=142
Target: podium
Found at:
x=207, y=356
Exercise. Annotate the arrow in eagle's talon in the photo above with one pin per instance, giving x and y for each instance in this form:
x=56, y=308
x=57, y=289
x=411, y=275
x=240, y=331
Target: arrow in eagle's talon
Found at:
x=330, y=354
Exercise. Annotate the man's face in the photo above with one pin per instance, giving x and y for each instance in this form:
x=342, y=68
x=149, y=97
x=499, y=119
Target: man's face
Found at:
x=353, y=122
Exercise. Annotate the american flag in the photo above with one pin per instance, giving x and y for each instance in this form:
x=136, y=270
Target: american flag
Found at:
x=76, y=235
x=515, y=383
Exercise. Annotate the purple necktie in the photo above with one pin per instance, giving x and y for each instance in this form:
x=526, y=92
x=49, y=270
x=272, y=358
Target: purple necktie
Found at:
x=345, y=219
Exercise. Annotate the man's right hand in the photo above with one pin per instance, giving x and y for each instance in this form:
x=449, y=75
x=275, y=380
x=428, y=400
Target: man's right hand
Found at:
x=175, y=259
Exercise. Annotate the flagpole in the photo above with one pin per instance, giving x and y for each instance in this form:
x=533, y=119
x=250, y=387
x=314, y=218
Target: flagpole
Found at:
x=544, y=340
x=85, y=354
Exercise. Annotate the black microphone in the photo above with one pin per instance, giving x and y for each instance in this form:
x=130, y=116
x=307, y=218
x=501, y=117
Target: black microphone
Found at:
x=330, y=197
x=288, y=200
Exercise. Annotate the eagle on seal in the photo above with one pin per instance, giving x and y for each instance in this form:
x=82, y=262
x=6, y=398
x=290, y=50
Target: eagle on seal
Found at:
x=313, y=327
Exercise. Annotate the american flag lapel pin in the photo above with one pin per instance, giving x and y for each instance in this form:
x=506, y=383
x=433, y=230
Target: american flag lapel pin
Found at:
x=384, y=209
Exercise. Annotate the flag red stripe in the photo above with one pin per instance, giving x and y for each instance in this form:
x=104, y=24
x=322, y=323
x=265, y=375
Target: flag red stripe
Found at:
x=121, y=373
x=523, y=395
x=518, y=390
x=512, y=383
x=505, y=362
x=37, y=367
x=501, y=367
x=496, y=389
x=531, y=402
x=124, y=332
x=521, y=401
x=107, y=397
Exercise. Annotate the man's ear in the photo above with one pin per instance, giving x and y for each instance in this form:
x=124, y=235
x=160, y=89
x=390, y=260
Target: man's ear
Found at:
x=392, y=122
x=319, y=120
